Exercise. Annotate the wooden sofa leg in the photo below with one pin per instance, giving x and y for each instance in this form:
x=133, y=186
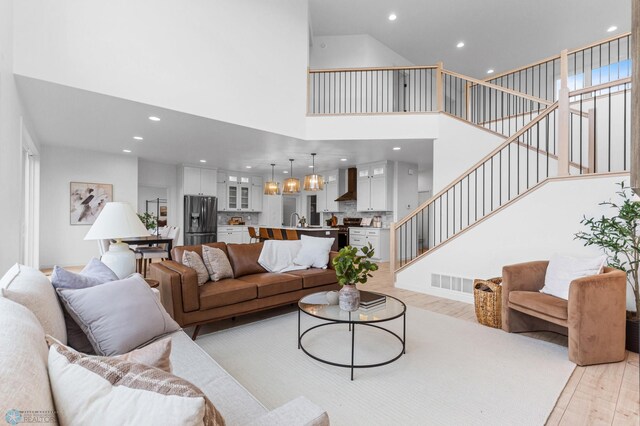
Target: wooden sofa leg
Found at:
x=196, y=332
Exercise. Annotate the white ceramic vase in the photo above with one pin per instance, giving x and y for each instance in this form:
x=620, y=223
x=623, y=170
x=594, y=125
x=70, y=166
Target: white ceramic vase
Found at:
x=332, y=297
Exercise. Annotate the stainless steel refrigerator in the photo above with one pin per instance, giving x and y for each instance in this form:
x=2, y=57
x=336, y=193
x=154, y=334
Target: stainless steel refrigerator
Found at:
x=200, y=220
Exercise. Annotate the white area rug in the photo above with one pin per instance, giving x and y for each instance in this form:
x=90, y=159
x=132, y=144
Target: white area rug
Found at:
x=454, y=372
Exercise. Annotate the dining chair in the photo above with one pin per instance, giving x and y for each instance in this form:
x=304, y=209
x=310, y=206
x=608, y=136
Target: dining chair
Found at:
x=291, y=234
x=103, y=246
x=264, y=234
x=253, y=236
x=159, y=252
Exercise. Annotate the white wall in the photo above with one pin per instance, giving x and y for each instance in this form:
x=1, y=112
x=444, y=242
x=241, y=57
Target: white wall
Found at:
x=11, y=115
x=61, y=243
x=458, y=147
x=352, y=51
x=384, y=126
x=405, y=189
x=242, y=62
x=158, y=175
x=535, y=227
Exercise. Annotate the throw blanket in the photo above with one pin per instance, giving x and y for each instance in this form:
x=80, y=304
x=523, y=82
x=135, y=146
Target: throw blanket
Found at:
x=278, y=255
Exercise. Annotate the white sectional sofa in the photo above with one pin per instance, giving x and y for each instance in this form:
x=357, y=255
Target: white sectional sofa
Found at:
x=25, y=384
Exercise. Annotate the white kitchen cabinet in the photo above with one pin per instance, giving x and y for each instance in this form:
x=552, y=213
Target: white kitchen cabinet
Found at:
x=257, y=191
x=209, y=182
x=334, y=186
x=198, y=181
x=233, y=234
x=222, y=191
x=375, y=182
x=238, y=193
x=377, y=237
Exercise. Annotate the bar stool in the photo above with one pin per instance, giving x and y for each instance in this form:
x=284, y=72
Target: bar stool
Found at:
x=264, y=234
x=253, y=236
x=277, y=234
x=291, y=234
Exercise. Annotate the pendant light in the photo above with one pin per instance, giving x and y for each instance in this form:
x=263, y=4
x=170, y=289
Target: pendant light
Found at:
x=272, y=187
x=313, y=182
x=291, y=185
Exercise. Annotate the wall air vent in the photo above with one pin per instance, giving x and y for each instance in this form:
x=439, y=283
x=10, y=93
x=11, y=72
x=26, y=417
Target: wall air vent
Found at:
x=456, y=284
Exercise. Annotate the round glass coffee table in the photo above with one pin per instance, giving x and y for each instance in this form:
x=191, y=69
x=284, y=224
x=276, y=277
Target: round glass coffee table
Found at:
x=317, y=305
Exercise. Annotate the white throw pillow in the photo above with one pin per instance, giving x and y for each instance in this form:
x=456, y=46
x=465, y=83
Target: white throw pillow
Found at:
x=107, y=391
x=314, y=252
x=564, y=269
x=23, y=363
x=33, y=290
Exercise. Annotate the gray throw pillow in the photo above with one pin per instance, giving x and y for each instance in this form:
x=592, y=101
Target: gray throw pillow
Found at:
x=193, y=260
x=118, y=316
x=217, y=263
x=95, y=273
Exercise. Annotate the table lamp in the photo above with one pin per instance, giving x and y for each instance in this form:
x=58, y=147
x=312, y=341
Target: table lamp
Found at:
x=117, y=220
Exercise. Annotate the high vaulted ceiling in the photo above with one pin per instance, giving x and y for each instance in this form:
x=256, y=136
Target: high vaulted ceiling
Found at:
x=498, y=34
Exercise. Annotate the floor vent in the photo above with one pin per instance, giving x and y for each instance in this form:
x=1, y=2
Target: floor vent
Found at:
x=457, y=284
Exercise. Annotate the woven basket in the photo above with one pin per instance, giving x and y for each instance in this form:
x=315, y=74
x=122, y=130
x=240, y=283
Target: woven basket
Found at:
x=488, y=302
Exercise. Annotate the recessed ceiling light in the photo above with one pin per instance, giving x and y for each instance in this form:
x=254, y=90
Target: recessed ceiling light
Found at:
x=460, y=44
x=285, y=171
x=612, y=29
x=154, y=118
x=490, y=71
x=126, y=150
x=247, y=167
x=311, y=167
x=393, y=17
x=396, y=148
x=138, y=138
x=203, y=161
x=343, y=159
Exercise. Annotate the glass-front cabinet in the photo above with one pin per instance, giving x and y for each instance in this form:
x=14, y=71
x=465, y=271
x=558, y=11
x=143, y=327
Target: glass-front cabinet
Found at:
x=238, y=193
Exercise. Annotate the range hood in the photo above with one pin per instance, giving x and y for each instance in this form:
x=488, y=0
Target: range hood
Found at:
x=352, y=186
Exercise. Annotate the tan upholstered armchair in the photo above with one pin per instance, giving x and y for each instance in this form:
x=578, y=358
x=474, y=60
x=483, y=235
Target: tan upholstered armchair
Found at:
x=593, y=318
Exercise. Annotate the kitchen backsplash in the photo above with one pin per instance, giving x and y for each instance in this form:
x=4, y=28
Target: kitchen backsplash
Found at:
x=249, y=218
x=349, y=209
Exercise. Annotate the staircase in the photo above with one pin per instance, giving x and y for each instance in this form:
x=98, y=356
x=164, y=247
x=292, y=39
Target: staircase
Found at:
x=568, y=115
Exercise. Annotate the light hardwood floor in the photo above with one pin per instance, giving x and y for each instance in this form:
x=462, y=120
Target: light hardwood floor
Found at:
x=595, y=395
x=607, y=394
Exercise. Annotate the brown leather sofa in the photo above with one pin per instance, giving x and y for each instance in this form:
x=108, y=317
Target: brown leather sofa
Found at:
x=593, y=318
x=251, y=289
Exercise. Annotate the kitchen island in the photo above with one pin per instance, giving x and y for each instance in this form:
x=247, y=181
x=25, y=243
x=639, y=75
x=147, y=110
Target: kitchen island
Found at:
x=320, y=232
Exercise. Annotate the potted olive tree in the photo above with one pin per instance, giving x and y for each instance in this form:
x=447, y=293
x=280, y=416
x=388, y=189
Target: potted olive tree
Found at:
x=352, y=269
x=618, y=236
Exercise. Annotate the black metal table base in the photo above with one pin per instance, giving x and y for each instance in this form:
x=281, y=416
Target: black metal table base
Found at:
x=352, y=329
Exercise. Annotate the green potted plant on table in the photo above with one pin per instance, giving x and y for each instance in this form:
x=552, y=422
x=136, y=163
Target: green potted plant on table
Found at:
x=618, y=236
x=149, y=220
x=351, y=269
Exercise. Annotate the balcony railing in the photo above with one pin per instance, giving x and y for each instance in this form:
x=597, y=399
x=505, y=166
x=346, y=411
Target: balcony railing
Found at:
x=372, y=90
x=598, y=63
x=420, y=90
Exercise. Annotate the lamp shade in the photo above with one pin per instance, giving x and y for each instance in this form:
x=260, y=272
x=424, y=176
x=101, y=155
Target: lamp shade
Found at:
x=313, y=182
x=291, y=186
x=116, y=220
x=271, y=188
